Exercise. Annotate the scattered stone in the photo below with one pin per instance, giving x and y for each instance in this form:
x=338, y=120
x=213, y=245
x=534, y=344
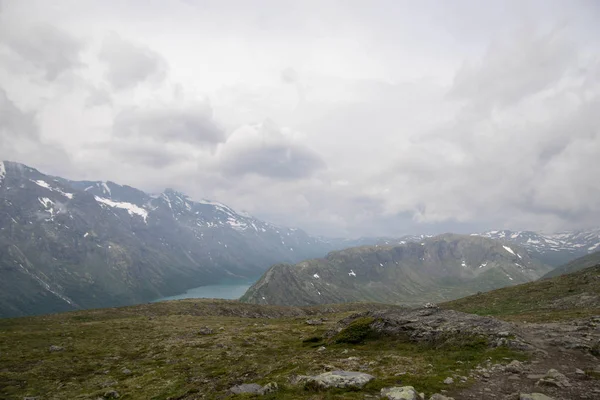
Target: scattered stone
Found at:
x=205, y=330
x=126, y=371
x=340, y=379
x=515, y=367
x=504, y=334
x=431, y=305
x=554, y=378
x=314, y=322
x=534, y=396
x=322, y=348
x=54, y=348
x=400, y=393
x=514, y=378
x=438, y=396
x=448, y=381
x=30, y=398
x=270, y=387
x=580, y=372
x=111, y=394
x=251, y=388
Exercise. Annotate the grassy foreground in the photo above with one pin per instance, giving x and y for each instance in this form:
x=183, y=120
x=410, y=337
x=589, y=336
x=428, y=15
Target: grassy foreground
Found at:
x=156, y=351
x=571, y=296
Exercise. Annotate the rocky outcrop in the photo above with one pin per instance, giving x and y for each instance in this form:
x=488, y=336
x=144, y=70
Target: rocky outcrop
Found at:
x=336, y=379
x=432, y=325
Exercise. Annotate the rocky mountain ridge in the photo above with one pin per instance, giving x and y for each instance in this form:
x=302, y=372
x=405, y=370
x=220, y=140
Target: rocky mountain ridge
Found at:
x=436, y=269
x=67, y=244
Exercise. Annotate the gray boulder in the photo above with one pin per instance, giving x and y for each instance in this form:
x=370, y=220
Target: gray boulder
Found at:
x=448, y=381
x=400, y=393
x=438, y=396
x=54, y=348
x=554, y=378
x=254, y=388
x=534, y=396
x=515, y=367
x=340, y=379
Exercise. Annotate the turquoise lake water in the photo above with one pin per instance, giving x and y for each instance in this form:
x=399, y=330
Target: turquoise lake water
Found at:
x=230, y=290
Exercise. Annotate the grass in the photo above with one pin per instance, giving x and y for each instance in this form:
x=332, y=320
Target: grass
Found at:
x=556, y=299
x=169, y=359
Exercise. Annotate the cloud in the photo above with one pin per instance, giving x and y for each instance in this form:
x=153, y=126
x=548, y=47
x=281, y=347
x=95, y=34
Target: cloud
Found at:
x=20, y=138
x=190, y=123
x=512, y=69
x=43, y=46
x=97, y=98
x=268, y=151
x=129, y=64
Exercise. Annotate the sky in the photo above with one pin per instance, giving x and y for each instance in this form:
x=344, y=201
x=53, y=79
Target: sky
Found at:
x=344, y=118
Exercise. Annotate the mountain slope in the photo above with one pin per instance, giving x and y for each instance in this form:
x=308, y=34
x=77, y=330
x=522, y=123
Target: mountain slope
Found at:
x=566, y=296
x=575, y=265
x=440, y=268
x=553, y=249
x=66, y=245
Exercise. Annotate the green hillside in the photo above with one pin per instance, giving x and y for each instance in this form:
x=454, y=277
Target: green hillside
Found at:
x=575, y=265
x=563, y=297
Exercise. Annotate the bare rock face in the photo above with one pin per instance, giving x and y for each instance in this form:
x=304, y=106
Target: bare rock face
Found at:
x=339, y=379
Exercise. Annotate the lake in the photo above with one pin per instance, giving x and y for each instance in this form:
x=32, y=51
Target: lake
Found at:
x=230, y=290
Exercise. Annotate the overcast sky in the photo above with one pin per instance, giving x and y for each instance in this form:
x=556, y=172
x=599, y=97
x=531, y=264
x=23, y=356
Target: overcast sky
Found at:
x=345, y=118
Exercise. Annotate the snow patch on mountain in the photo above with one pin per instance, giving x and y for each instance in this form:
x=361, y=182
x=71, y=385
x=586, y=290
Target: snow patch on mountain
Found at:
x=509, y=250
x=130, y=208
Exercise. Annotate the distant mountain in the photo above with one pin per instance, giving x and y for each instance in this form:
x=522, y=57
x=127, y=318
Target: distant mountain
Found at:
x=554, y=249
x=575, y=265
x=67, y=245
x=435, y=269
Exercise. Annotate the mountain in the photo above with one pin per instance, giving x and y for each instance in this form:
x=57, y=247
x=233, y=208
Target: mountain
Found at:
x=569, y=296
x=575, y=265
x=553, y=249
x=440, y=268
x=67, y=245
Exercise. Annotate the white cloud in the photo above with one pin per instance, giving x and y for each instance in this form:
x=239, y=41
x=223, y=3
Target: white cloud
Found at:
x=387, y=118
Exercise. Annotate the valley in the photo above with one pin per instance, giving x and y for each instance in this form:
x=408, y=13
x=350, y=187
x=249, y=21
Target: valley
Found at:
x=209, y=349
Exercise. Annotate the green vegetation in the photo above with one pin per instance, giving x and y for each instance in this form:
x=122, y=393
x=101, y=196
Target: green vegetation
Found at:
x=357, y=332
x=572, y=296
x=157, y=351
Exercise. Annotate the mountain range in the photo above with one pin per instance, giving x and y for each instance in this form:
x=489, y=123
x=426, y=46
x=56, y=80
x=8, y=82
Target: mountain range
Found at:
x=68, y=244
x=440, y=268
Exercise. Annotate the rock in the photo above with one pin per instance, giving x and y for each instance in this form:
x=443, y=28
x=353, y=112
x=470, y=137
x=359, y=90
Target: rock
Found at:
x=431, y=305
x=448, y=381
x=30, y=398
x=340, y=379
x=322, y=348
x=438, y=396
x=580, y=372
x=534, y=396
x=54, y=348
x=111, y=394
x=514, y=378
x=205, y=330
x=515, y=367
x=314, y=322
x=595, y=350
x=554, y=378
x=270, y=387
x=126, y=371
x=251, y=388
x=400, y=393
